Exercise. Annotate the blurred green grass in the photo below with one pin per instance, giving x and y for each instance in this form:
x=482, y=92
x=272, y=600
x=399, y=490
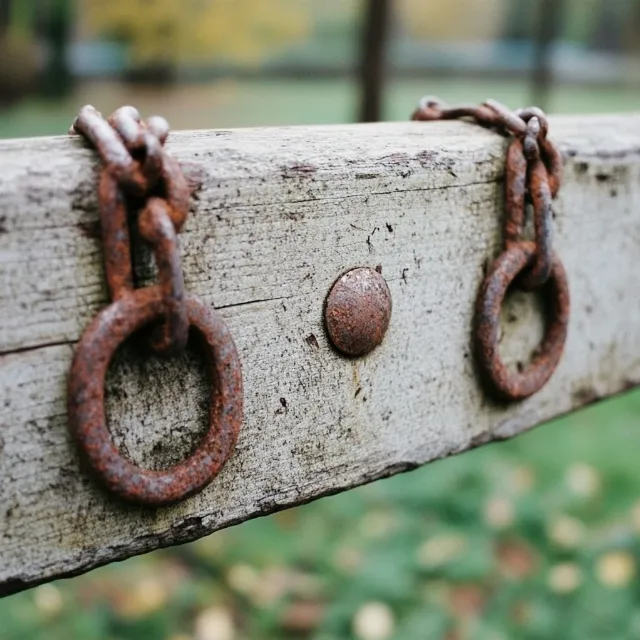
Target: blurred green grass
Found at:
x=536, y=538
x=242, y=103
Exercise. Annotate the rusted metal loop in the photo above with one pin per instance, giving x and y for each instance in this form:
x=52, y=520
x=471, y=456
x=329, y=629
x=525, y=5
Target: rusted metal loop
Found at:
x=508, y=119
x=515, y=190
x=432, y=108
x=550, y=153
x=176, y=190
x=531, y=139
x=540, y=193
x=87, y=419
x=138, y=139
x=156, y=227
x=428, y=112
x=528, y=113
x=114, y=154
x=522, y=177
x=127, y=122
x=481, y=114
x=510, y=384
x=157, y=164
x=554, y=163
x=114, y=231
x=431, y=102
x=159, y=127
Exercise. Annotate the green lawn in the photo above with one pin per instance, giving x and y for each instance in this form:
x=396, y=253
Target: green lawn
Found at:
x=537, y=538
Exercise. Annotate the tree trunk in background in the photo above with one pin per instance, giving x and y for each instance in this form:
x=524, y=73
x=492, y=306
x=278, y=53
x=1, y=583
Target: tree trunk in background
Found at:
x=4, y=15
x=18, y=70
x=548, y=29
x=57, y=27
x=517, y=21
x=373, y=62
x=632, y=31
x=607, y=32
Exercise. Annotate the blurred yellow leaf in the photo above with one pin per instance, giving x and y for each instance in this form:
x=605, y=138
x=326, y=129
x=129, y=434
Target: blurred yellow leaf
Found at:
x=215, y=623
x=565, y=577
x=452, y=19
x=171, y=31
x=243, y=578
x=499, y=513
x=373, y=621
x=616, y=569
x=583, y=480
x=441, y=550
x=147, y=596
x=48, y=600
x=566, y=532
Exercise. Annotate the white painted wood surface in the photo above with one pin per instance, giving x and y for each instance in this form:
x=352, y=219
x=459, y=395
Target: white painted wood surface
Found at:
x=278, y=215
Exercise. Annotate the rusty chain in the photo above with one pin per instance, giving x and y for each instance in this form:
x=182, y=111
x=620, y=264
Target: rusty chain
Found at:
x=533, y=174
x=139, y=182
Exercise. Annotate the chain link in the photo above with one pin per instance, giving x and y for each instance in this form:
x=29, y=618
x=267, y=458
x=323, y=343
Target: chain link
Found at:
x=135, y=165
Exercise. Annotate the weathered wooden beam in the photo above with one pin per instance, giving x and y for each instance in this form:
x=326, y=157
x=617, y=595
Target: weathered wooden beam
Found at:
x=278, y=215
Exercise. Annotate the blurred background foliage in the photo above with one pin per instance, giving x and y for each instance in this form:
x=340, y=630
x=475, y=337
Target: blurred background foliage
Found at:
x=169, y=32
x=537, y=538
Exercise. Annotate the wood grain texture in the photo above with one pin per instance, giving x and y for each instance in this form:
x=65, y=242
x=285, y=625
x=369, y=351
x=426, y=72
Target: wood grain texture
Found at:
x=277, y=216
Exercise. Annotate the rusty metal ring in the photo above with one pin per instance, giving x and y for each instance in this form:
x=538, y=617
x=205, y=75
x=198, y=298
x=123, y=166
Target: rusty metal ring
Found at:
x=87, y=420
x=520, y=385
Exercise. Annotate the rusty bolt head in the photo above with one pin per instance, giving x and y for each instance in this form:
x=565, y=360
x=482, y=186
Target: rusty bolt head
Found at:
x=358, y=311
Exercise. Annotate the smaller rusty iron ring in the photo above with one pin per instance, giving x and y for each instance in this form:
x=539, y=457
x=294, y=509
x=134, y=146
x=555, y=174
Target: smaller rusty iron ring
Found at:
x=85, y=402
x=520, y=385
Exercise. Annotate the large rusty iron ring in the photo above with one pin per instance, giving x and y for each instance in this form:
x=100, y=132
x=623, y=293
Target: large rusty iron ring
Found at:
x=521, y=384
x=87, y=419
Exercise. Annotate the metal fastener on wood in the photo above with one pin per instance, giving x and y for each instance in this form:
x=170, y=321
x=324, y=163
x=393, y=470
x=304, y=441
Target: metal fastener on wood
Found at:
x=358, y=311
